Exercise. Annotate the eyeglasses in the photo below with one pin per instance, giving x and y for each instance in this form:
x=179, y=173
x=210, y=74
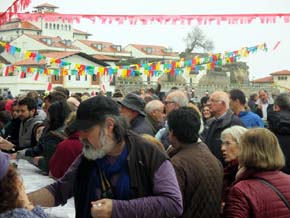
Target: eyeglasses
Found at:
x=168, y=102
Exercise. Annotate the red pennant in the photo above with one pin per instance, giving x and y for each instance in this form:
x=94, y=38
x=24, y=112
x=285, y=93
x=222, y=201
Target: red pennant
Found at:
x=36, y=76
x=49, y=87
x=22, y=75
x=111, y=79
x=103, y=88
x=276, y=45
x=6, y=71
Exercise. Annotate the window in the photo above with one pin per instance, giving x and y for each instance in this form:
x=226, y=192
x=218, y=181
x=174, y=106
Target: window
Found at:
x=69, y=77
x=46, y=25
x=56, y=77
x=99, y=46
x=57, y=26
x=78, y=77
x=50, y=26
x=65, y=27
x=69, y=27
x=62, y=27
x=94, y=77
x=86, y=77
x=282, y=78
x=54, y=26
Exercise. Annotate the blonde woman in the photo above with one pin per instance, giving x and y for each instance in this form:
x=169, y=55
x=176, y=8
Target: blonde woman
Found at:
x=253, y=194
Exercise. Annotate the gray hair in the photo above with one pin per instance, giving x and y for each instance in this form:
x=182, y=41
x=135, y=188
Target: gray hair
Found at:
x=235, y=131
x=179, y=97
x=223, y=96
x=153, y=105
x=283, y=101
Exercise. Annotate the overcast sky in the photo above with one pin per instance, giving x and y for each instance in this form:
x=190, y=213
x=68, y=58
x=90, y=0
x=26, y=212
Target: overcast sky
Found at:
x=225, y=37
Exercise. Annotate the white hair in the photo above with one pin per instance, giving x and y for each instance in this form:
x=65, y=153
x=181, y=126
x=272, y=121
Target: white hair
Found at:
x=179, y=97
x=153, y=105
x=235, y=131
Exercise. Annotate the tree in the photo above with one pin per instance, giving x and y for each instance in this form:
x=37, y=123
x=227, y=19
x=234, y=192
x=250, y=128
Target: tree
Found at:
x=196, y=39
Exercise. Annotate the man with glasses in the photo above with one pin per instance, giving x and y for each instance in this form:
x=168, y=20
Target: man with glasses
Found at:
x=173, y=100
x=119, y=174
x=222, y=118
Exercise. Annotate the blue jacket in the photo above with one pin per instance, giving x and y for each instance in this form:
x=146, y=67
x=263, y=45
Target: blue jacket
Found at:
x=251, y=119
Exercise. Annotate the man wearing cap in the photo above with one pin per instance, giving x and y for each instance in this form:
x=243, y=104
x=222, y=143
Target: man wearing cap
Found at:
x=115, y=164
x=132, y=107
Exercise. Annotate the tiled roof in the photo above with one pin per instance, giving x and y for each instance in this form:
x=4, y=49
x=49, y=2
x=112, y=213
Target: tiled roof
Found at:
x=19, y=25
x=267, y=79
x=156, y=50
x=281, y=72
x=59, y=55
x=105, y=58
x=107, y=46
x=29, y=62
x=45, y=5
x=80, y=32
x=28, y=25
x=55, y=41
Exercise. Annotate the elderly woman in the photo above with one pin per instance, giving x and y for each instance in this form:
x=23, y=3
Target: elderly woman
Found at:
x=14, y=202
x=230, y=148
x=253, y=194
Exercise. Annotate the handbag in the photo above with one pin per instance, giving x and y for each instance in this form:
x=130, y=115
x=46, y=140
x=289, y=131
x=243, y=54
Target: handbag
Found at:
x=281, y=196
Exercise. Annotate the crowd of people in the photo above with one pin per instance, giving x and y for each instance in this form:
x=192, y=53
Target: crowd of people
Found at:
x=147, y=155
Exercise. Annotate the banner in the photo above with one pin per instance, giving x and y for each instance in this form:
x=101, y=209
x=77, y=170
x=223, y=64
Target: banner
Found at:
x=200, y=19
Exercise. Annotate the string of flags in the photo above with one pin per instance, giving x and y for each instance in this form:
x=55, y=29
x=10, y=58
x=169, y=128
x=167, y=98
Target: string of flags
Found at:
x=200, y=19
x=63, y=68
x=13, y=9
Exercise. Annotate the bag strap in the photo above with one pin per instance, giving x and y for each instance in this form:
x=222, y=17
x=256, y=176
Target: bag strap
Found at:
x=281, y=196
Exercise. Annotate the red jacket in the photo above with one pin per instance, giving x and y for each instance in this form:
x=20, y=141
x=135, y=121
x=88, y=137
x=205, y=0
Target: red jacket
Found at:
x=65, y=153
x=251, y=198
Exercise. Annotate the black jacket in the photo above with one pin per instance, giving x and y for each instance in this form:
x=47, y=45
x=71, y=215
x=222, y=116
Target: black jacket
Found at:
x=279, y=124
x=211, y=134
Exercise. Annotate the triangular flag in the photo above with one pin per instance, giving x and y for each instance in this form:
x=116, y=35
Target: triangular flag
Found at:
x=22, y=74
x=49, y=87
x=36, y=76
x=6, y=71
x=103, y=88
x=276, y=45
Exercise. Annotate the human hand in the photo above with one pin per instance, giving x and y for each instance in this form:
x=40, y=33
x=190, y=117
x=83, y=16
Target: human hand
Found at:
x=5, y=144
x=102, y=208
x=36, y=160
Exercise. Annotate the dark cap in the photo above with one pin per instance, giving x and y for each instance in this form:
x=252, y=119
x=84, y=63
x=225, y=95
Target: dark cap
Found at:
x=133, y=102
x=91, y=111
x=4, y=164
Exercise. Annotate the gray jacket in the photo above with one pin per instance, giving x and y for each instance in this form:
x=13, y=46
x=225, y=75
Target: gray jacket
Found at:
x=26, y=131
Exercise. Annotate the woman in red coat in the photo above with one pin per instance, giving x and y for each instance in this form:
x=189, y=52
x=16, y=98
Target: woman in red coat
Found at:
x=260, y=158
x=66, y=151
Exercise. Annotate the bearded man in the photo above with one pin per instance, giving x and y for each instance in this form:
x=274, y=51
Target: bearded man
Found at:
x=119, y=174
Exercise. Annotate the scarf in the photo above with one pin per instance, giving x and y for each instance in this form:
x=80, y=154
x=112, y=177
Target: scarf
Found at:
x=88, y=182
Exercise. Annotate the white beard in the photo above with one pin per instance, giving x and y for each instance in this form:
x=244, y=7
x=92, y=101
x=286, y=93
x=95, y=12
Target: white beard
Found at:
x=106, y=146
